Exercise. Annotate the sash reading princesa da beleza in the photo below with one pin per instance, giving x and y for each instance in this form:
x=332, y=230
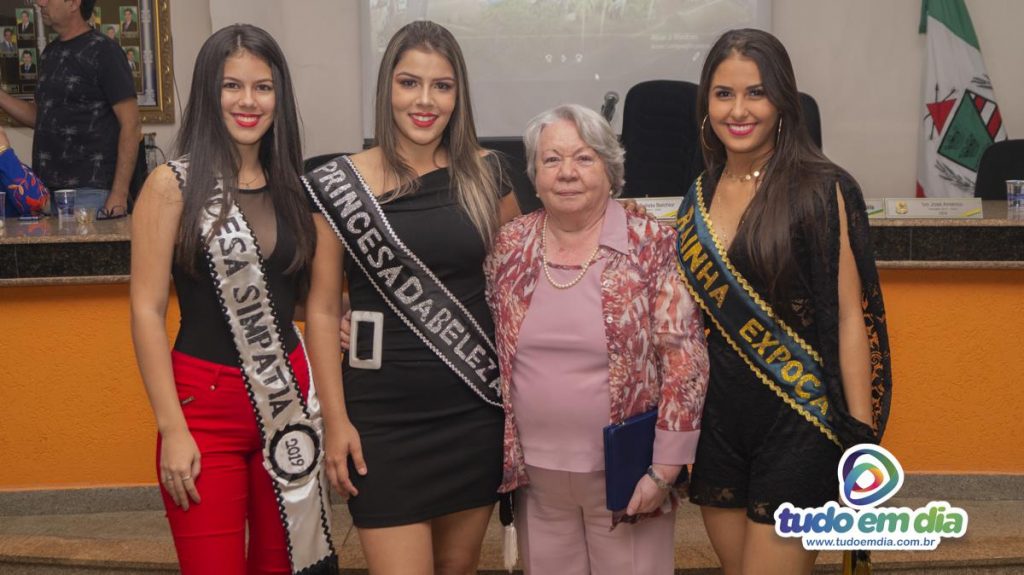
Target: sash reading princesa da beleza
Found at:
x=405, y=283
x=291, y=425
x=775, y=353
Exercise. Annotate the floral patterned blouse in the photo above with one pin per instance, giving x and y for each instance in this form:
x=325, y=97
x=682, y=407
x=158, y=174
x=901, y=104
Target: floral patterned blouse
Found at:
x=657, y=355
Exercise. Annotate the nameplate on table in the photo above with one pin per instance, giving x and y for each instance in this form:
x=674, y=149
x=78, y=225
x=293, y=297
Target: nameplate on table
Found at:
x=875, y=208
x=661, y=208
x=945, y=208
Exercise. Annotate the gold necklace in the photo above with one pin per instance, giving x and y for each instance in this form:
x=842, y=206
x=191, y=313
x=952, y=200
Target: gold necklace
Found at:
x=242, y=184
x=544, y=259
x=755, y=175
x=722, y=236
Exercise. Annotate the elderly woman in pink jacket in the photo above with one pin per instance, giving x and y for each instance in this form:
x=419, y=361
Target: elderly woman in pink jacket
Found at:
x=594, y=326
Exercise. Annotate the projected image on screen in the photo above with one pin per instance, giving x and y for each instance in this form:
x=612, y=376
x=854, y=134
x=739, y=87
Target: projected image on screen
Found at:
x=525, y=56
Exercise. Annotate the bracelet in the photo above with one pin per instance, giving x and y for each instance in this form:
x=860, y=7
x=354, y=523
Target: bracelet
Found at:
x=3, y=148
x=661, y=483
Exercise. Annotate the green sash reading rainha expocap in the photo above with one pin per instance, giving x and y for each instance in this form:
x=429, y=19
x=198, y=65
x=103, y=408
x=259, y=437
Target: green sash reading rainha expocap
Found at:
x=775, y=353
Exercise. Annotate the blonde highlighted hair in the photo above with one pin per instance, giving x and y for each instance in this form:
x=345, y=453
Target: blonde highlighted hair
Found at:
x=474, y=179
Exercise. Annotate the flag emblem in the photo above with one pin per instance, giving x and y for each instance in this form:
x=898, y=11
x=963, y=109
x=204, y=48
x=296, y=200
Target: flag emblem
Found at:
x=960, y=117
x=972, y=129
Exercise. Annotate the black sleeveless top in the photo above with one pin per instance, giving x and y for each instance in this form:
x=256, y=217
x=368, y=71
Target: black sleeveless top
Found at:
x=204, y=333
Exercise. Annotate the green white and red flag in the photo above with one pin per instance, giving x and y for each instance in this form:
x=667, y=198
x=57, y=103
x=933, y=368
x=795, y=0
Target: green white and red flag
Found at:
x=960, y=118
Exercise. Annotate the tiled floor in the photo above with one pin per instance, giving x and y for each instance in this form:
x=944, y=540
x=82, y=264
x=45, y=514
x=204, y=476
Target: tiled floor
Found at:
x=140, y=542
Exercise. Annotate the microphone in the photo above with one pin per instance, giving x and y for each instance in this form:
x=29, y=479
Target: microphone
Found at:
x=608, y=108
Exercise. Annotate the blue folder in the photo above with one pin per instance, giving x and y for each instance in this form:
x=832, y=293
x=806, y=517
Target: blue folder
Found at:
x=628, y=451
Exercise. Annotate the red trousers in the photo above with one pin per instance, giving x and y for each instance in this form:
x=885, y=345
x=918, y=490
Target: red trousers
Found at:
x=235, y=489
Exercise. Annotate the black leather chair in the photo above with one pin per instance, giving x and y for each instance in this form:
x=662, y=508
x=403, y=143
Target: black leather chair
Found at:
x=660, y=131
x=511, y=149
x=315, y=161
x=1001, y=161
x=812, y=117
x=515, y=159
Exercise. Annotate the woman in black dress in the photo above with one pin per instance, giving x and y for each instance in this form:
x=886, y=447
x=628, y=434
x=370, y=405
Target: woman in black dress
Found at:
x=774, y=246
x=418, y=449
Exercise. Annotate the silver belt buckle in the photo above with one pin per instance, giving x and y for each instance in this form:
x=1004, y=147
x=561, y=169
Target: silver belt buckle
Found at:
x=377, y=319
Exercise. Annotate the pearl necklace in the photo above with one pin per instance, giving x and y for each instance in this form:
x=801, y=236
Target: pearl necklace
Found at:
x=544, y=260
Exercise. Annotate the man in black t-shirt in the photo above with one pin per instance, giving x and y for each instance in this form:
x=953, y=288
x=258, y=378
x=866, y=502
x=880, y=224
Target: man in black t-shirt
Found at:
x=85, y=113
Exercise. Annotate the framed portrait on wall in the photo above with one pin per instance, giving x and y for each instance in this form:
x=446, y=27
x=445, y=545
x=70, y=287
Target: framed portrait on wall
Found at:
x=142, y=28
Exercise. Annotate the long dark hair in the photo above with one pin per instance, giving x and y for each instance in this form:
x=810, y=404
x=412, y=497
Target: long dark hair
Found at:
x=795, y=179
x=475, y=182
x=212, y=153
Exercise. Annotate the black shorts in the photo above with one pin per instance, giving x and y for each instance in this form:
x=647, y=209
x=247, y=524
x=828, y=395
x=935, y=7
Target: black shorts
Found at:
x=756, y=452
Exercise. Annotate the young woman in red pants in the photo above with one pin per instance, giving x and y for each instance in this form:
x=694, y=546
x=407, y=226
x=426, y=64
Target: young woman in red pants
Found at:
x=240, y=429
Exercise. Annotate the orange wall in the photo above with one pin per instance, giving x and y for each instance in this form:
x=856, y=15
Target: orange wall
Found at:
x=957, y=339
x=73, y=411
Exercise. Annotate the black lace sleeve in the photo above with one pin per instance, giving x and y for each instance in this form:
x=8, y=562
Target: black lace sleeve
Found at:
x=824, y=275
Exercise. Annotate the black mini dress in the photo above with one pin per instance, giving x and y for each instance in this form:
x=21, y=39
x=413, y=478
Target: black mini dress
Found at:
x=431, y=445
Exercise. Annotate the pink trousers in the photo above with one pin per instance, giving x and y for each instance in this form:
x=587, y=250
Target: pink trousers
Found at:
x=563, y=526
x=236, y=491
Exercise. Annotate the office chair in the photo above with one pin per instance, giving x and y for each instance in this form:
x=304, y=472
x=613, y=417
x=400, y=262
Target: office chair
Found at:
x=513, y=152
x=660, y=131
x=812, y=117
x=315, y=161
x=1001, y=161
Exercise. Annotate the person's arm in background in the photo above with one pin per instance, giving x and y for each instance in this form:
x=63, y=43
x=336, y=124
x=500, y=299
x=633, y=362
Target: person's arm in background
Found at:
x=127, y=112
x=21, y=110
x=25, y=192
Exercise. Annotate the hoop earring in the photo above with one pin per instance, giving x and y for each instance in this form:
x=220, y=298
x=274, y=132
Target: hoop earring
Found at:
x=703, y=142
x=778, y=132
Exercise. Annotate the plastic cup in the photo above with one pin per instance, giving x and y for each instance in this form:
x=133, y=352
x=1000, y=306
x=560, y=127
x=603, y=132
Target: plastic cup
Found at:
x=1015, y=199
x=83, y=215
x=65, y=201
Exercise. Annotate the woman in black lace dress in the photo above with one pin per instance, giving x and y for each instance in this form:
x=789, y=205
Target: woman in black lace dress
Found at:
x=774, y=245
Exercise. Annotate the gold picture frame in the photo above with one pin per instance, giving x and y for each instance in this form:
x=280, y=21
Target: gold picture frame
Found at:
x=149, y=39
x=162, y=111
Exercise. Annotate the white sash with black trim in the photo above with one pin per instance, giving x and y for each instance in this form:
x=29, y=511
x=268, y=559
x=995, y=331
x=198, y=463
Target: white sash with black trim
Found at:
x=291, y=425
x=408, y=286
